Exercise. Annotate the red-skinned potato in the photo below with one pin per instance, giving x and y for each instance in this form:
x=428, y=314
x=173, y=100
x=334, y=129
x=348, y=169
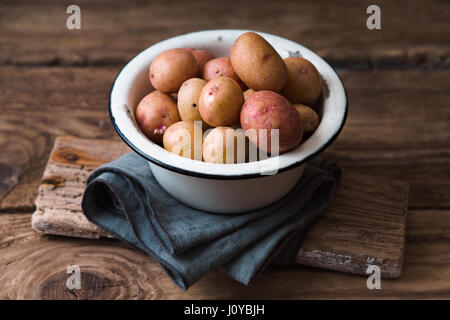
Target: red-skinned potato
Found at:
x=310, y=119
x=220, y=67
x=181, y=139
x=225, y=145
x=202, y=56
x=171, y=68
x=270, y=110
x=257, y=63
x=304, y=83
x=220, y=102
x=155, y=113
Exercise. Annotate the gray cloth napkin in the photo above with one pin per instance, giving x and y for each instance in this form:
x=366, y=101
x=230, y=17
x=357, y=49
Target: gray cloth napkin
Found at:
x=123, y=198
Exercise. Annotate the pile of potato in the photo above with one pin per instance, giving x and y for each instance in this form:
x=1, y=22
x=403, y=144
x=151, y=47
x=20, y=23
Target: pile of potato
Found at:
x=240, y=95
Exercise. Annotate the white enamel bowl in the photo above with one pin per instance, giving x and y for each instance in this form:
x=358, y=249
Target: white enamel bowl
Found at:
x=224, y=188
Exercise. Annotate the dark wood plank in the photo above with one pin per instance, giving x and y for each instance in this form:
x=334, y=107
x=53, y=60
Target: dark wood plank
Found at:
x=34, y=266
x=397, y=127
x=38, y=104
x=412, y=34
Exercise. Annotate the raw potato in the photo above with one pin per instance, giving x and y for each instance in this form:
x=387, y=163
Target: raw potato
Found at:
x=221, y=101
x=304, y=83
x=310, y=119
x=202, y=56
x=184, y=138
x=270, y=110
x=225, y=145
x=257, y=63
x=221, y=67
x=155, y=113
x=171, y=68
x=253, y=88
x=188, y=97
x=248, y=93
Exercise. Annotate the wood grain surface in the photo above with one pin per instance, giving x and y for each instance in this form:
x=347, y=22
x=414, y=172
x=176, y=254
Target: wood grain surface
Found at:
x=397, y=127
x=112, y=32
x=364, y=225
x=55, y=82
x=34, y=267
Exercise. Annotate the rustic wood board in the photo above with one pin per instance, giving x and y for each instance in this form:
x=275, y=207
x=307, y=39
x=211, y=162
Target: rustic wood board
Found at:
x=364, y=225
x=412, y=32
x=58, y=205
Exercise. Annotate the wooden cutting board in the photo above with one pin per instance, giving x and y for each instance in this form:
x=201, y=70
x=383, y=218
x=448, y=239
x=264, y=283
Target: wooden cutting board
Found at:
x=364, y=225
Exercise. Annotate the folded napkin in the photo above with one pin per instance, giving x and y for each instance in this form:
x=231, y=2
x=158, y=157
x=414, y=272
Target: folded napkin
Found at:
x=123, y=198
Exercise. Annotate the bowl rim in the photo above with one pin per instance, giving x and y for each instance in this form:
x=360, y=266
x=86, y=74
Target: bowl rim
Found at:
x=198, y=174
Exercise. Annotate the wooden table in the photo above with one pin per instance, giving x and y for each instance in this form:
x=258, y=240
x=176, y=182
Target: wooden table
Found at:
x=55, y=81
